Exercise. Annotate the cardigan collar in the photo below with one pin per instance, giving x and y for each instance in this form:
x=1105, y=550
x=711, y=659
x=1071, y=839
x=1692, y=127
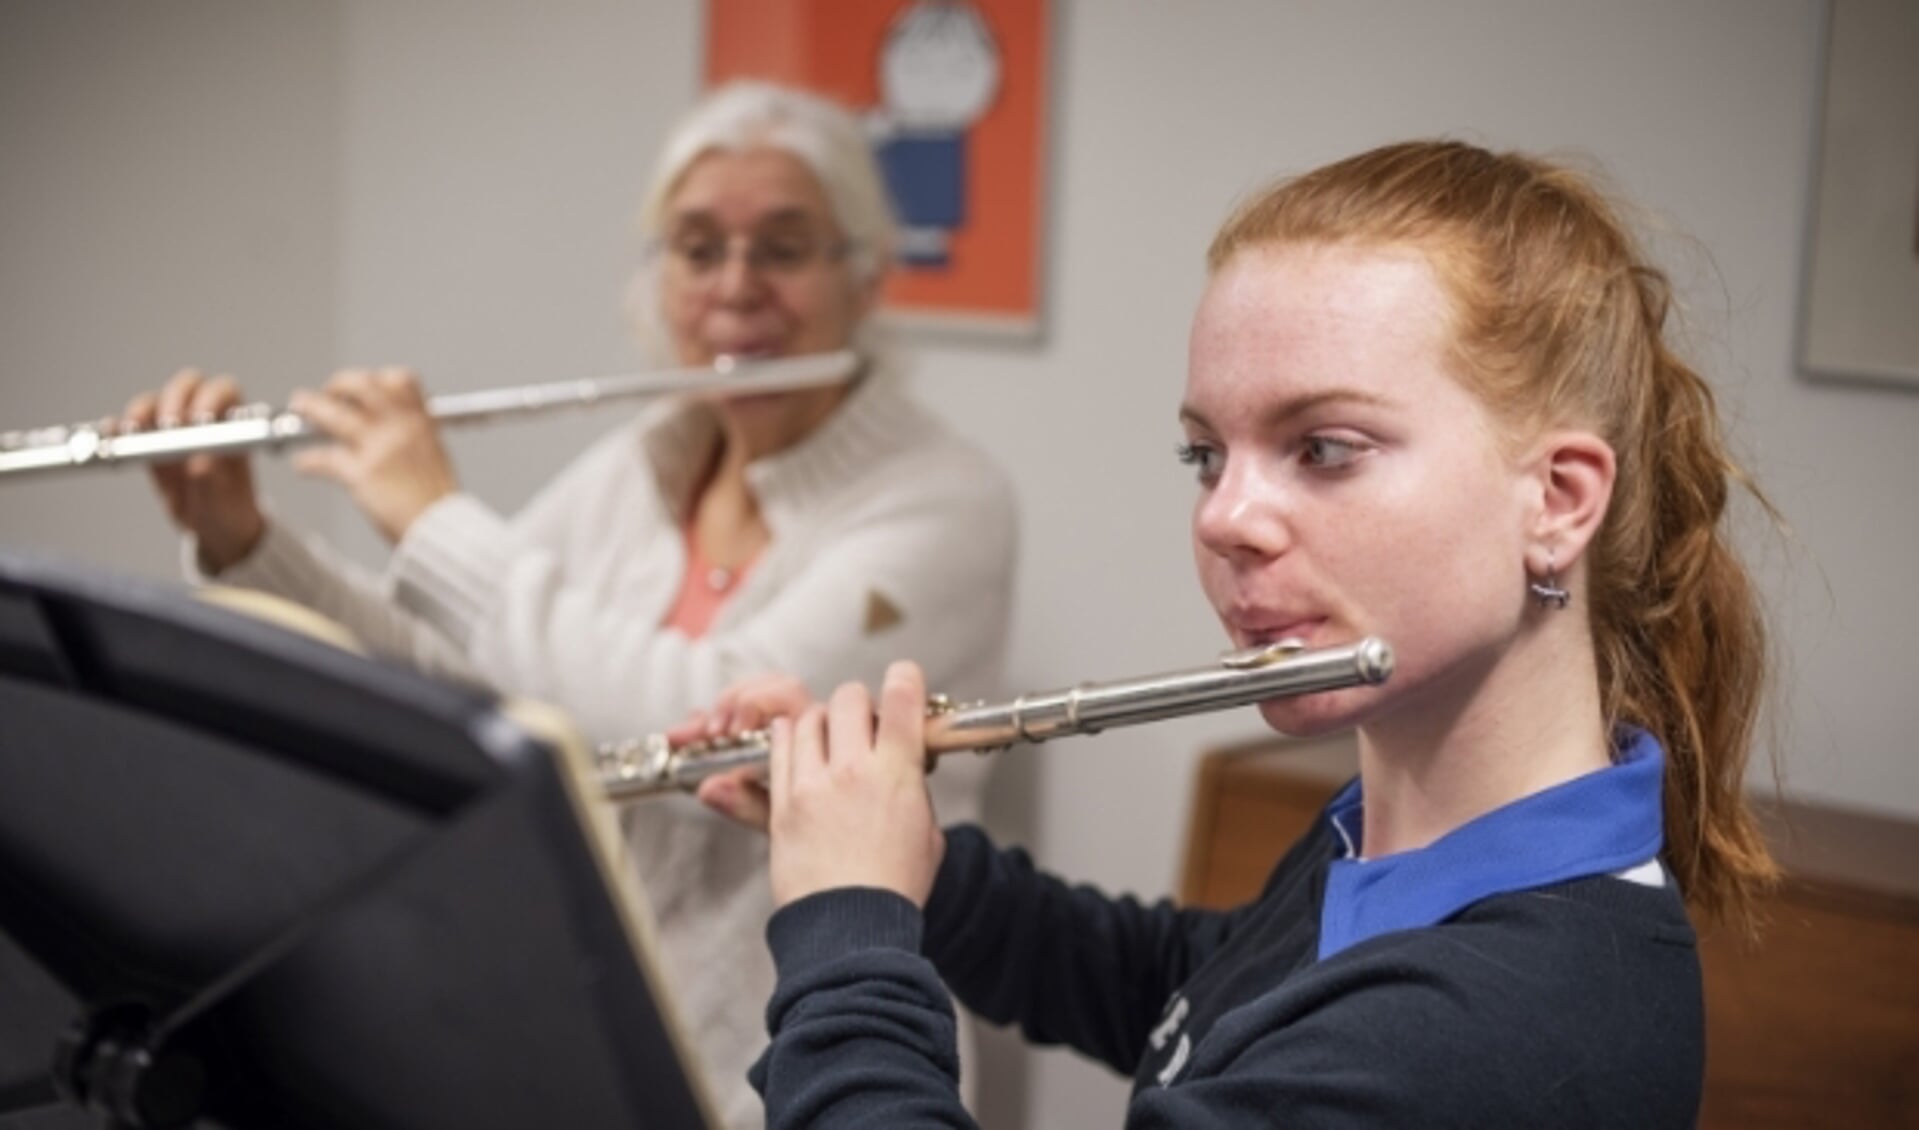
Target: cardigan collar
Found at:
x=876, y=419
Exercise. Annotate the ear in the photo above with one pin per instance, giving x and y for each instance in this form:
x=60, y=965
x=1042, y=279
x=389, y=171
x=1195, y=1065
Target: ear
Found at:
x=866, y=293
x=1573, y=472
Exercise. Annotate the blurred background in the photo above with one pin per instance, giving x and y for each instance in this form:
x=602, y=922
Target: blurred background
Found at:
x=276, y=190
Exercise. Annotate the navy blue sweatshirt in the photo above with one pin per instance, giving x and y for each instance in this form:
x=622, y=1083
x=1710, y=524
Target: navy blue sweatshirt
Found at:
x=1572, y=1002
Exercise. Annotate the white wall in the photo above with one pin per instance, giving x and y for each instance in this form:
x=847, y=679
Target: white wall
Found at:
x=167, y=198
x=473, y=219
x=494, y=157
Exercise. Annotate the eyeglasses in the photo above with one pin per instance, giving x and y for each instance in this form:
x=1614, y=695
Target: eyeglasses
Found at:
x=699, y=257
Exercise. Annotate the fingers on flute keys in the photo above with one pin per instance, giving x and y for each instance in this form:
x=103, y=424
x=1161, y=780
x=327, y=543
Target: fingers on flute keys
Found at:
x=199, y=482
x=386, y=447
x=742, y=794
x=750, y=704
x=850, y=807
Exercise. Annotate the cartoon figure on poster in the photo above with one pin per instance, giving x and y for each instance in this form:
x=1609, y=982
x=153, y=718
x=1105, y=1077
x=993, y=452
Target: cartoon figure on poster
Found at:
x=939, y=72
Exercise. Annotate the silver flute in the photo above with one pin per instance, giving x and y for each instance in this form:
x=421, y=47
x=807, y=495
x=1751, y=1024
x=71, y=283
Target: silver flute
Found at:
x=260, y=427
x=650, y=766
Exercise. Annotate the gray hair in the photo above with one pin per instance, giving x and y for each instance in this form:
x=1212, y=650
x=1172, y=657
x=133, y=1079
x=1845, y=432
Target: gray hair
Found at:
x=823, y=135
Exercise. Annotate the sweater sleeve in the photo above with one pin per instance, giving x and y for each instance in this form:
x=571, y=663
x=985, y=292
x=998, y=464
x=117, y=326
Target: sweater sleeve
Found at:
x=1068, y=964
x=309, y=572
x=862, y=1032
x=921, y=570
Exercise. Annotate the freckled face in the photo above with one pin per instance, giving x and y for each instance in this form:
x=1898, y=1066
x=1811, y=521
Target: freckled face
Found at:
x=1349, y=484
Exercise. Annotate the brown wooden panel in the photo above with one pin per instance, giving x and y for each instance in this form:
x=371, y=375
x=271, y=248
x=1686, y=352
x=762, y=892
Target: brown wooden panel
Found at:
x=1815, y=1025
x=1250, y=823
x=1249, y=805
x=1818, y=1023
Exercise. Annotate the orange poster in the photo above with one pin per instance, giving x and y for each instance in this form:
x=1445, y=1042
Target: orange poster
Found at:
x=952, y=92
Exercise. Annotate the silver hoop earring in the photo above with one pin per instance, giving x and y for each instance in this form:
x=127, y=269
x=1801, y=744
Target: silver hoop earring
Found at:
x=1547, y=592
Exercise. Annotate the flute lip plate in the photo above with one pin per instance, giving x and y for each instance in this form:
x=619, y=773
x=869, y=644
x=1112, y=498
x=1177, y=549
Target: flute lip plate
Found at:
x=1262, y=655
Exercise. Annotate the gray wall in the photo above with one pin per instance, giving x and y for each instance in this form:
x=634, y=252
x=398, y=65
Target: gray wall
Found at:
x=279, y=189
x=168, y=197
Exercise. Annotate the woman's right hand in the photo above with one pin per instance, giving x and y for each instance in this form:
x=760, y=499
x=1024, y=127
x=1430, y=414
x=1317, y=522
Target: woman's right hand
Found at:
x=208, y=496
x=847, y=805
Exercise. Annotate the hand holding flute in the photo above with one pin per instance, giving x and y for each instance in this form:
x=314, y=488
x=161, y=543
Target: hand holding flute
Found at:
x=727, y=751
x=384, y=448
x=369, y=429
x=844, y=798
x=207, y=495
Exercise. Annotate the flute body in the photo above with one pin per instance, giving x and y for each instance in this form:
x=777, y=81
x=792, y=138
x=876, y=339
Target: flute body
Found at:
x=259, y=427
x=650, y=766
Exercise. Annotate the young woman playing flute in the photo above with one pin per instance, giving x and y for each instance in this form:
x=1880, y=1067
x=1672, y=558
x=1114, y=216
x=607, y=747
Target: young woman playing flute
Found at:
x=1428, y=398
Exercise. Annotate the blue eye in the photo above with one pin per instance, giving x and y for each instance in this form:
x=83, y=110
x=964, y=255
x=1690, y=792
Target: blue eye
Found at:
x=1204, y=457
x=1324, y=451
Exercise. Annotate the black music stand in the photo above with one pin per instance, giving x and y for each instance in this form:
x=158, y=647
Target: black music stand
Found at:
x=248, y=879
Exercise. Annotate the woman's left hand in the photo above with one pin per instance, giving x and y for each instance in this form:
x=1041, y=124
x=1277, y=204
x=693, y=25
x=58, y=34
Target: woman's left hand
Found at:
x=850, y=807
x=740, y=794
x=386, y=448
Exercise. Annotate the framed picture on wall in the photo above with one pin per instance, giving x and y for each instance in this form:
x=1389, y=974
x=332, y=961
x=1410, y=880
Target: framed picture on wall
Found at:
x=953, y=95
x=1860, y=319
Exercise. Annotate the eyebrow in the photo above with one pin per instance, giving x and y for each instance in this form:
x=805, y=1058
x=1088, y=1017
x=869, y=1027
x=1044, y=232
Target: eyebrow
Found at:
x=1294, y=408
x=777, y=218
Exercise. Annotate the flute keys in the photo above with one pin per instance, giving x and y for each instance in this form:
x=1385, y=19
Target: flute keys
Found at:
x=83, y=446
x=635, y=759
x=613, y=759
x=657, y=757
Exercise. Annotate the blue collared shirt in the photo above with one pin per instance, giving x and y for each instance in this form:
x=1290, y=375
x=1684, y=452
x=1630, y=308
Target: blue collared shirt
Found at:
x=1596, y=824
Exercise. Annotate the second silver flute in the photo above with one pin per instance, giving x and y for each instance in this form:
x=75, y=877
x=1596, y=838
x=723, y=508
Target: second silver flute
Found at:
x=650, y=766
x=258, y=427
